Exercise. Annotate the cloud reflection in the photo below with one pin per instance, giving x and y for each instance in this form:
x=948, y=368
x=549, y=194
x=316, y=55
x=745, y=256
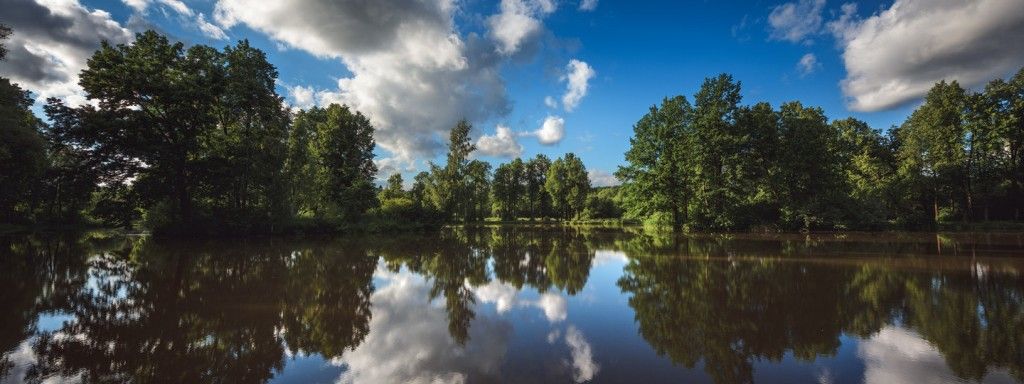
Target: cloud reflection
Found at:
x=409, y=340
x=896, y=355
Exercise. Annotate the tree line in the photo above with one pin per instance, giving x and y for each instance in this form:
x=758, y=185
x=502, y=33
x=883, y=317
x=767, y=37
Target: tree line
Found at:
x=717, y=164
x=196, y=139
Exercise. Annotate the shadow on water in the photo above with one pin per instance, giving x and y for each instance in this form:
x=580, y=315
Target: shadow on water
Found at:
x=117, y=309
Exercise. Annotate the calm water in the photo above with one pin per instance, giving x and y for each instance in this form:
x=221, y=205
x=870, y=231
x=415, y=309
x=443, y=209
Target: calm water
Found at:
x=515, y=305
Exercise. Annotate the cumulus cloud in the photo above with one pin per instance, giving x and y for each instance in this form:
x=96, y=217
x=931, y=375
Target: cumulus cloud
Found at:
x=518, y=23
x=551, y=131
x=51, y=42
x=796, y=21
x=409, y=341
x=413, y=74
x=600, y=178
x=588, y=5
x=896, y=55
x=577, y=77
x=808, y=64
x=583, y=366
x=502, y=144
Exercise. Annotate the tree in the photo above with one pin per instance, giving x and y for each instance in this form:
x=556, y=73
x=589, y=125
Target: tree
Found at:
x=811, y=190
x=23, y=160
x=932, y=155
x=393, y=189
x=448, y=188
x=656, y=179
x=715, y=150
x=868, y=171
x=568, y=184
x=342, y=150
x=538, y=201
x=507, y=190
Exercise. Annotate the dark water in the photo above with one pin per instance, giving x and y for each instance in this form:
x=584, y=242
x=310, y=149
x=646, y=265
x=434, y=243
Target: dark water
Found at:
x=515, y=305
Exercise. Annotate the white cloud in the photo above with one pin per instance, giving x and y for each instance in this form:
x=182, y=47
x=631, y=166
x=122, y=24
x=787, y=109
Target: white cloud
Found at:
x=408, y=341
x=414, y=76
x=518, y=23
x=302, y=97
x=808, y=64
x=599, y=178
x=584, y=367
x=551, y=131
x=196, y=19
x=210, y=30
x=578, y=79
x=588, y=5
x=51, y=42
x=896, y=55
x=550, y=102
x=796, y=21
x=502, y=144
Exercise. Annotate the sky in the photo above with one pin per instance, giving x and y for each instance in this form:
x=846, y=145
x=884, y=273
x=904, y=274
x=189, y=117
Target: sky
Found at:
x=545, y=76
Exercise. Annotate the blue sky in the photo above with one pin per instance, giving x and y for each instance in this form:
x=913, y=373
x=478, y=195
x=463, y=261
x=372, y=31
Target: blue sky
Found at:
x=415, y=66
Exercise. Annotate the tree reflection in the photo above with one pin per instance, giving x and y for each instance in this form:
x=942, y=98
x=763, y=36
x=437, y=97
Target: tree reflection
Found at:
x=701, y=300
x=158, y=312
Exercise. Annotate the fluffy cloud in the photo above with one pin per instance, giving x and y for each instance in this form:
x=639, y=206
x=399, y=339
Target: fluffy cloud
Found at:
x=412, y=73
x=796, y=21
x=502, y=144
x=551, y=131
x=302, y=97
x=895, y=56
x=518, y=23
x=808, y=64
x=577, y=77
x=583, y=366
x=599, y=178
x=409, y=341
x=588, y=5
x=51, y=42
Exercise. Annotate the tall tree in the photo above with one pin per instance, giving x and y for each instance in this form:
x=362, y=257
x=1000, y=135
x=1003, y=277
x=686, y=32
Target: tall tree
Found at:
x=932, y=156
x=538, y=201
x=568, y=184
x=156, y=104
x=22, y=152
x=716, y=139
x=343, y=152
x=657, y=176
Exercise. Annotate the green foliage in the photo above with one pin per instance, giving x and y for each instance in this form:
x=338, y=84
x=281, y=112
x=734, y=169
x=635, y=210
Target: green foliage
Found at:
x=22, y=153
x=568, y=185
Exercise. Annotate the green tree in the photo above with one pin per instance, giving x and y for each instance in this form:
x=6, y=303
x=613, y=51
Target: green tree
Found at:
x=508, y=189
x=932, y=156
x=342, y=150
x=23, y=160
x=448, y=188
x=812, y=190
x=657, y=176
x=568, y=185
x=538, y=201
x=716, y=150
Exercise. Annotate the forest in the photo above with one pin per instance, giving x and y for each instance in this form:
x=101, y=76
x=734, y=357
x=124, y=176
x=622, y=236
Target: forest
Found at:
x=183, y=139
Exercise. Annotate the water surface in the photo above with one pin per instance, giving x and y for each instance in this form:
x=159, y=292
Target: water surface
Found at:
x=515, y=305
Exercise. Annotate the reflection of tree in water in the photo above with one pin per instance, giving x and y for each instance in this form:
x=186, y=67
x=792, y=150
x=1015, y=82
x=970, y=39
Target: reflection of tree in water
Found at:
x=730, y=312
x=458, y=261
x=36, y=276
x=156, y=312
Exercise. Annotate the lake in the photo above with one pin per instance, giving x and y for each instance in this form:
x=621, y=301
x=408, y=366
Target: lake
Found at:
x=515, y=305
